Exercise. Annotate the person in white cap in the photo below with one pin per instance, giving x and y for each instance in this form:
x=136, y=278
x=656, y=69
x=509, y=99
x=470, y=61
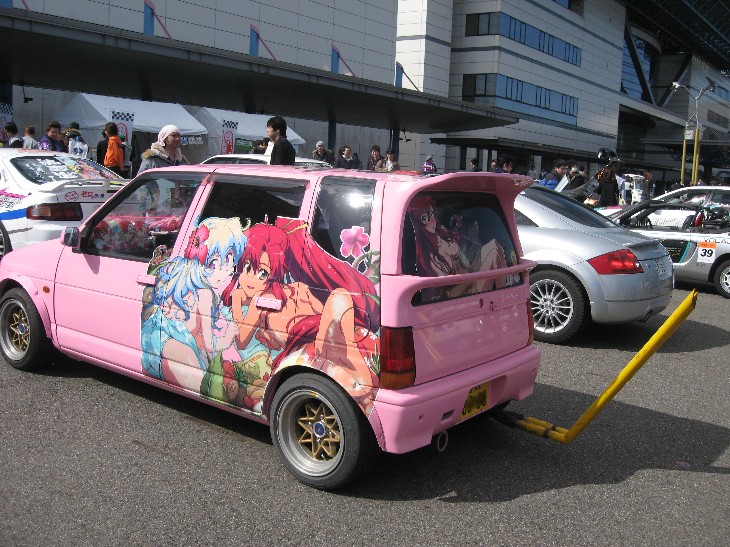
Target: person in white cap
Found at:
x=165, y=152
x=428, y=166
x=323, y=154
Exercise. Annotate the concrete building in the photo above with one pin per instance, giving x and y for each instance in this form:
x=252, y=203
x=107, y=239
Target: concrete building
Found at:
x=537, y=79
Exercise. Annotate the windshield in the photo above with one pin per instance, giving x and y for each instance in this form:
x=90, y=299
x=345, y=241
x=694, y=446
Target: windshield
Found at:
x=42, y=169
x=568, y=208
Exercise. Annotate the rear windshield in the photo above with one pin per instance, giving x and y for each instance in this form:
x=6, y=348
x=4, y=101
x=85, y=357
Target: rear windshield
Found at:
x=567, y=207
x=41, y=169
x=456, y=233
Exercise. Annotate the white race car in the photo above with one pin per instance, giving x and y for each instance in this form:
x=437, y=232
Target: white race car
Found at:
x=43, y=192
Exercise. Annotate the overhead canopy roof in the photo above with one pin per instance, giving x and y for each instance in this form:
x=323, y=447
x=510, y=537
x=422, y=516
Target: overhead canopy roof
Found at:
x=38, y=48
x=248, y=126
x=94, y=111
x=697, y=26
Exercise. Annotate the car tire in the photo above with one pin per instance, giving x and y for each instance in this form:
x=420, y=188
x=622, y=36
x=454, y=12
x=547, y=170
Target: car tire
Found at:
x=558, y=305
x=23, y=341
x=320, y=434
x=722, y=279
x=5, y=245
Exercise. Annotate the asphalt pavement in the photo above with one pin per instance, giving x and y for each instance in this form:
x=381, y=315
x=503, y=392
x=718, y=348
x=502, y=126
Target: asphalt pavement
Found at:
x=88, y=457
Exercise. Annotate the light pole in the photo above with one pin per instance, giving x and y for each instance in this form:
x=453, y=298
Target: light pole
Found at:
x=697, y=126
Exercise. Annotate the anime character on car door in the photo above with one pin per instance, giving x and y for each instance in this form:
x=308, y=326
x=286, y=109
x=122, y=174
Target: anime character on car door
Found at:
x=219, y=339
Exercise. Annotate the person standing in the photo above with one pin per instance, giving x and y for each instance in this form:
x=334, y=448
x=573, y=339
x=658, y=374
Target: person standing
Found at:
x=374, y=158
x=165, y=152
x=29, y=137
x=14, y=141
x=608, y=187
x=532, y=172
x=101, y=147
x=648, y=186
x=388, y=163
x=505, y=164
x=429, y=167
x=323, y=154
x=114, y=157
x=345, y=160
x=475, y=165
x=283, y=152
x=553, y=178
x=52, y=139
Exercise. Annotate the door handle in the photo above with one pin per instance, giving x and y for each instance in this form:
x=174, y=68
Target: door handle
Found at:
x=146, y=280
x=269, y=303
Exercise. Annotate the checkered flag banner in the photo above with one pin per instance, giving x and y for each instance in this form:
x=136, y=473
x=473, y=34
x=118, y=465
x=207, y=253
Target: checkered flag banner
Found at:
x=6, y=115
x=228, y=136
x=125, y=123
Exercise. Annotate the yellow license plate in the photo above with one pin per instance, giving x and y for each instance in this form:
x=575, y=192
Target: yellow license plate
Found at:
x=476, y=401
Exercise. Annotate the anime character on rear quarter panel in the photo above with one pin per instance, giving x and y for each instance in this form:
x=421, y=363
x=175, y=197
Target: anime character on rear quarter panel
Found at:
x=329, y=316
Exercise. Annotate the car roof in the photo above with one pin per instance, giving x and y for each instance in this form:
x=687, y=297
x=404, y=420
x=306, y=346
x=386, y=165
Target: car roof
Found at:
x=261, y=158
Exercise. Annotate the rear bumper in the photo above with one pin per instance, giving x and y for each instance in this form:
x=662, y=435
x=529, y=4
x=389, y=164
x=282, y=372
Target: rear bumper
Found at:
x=407, y=419
x=627, y=311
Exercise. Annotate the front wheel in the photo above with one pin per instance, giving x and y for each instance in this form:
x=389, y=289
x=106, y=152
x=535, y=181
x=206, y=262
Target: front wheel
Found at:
x=320, y=434
x=558, y=306
x=23, y=341
x=722, y=279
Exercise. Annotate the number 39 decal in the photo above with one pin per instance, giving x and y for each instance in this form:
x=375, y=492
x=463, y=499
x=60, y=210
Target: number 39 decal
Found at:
x=706, y=251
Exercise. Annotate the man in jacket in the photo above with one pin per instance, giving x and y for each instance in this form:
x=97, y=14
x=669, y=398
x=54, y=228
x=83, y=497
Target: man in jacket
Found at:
x=323, y=154
x=283, y=152
x=553, y=178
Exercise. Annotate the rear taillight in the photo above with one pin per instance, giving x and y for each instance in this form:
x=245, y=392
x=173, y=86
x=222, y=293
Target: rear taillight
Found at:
x=397, y=358
x=616, y=262
x=531, y=323
x=55, y=211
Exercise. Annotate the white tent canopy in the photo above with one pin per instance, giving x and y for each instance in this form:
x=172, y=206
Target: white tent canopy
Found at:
x=249, y=126
x=92, y=112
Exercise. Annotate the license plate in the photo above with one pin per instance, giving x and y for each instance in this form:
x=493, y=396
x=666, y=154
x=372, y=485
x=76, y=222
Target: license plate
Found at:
x=660, y=268
x=476, y=401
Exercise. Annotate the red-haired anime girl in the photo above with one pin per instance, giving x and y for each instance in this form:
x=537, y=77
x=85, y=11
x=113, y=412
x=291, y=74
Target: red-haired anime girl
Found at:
x=329, y=311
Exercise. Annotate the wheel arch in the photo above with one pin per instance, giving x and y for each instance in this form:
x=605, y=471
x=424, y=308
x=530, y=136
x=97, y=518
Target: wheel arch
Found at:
x=38, y=301
x=541, y=267
x=715, y=265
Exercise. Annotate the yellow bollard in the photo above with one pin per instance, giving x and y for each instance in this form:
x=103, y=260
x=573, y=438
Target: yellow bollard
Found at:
x=545, y=429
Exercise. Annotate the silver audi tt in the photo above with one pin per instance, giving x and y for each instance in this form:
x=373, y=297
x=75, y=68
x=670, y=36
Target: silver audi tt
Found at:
x=589, y=269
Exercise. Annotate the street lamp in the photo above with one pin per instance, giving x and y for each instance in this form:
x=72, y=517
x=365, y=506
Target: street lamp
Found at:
x=697, y=126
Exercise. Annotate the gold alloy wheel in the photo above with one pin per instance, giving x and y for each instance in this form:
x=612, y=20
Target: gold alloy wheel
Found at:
x=15, y=335
x=320, y=431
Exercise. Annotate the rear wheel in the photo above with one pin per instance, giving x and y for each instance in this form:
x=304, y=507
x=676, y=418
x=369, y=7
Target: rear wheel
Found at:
x=319, y=432
x=5, y=246
x=23, y=341
x=722, y=279
x=558, y=305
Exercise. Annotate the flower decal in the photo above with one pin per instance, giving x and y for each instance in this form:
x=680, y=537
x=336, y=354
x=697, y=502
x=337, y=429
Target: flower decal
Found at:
x=353, y=241
x=196, y=244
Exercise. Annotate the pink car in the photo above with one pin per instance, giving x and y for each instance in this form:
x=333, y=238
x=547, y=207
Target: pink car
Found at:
x=352, y=312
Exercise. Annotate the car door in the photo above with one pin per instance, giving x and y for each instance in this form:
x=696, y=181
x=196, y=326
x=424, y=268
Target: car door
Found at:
x=101, y=285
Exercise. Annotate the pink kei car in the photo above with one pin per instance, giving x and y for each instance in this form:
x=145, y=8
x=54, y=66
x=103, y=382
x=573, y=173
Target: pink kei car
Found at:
x=349, y=311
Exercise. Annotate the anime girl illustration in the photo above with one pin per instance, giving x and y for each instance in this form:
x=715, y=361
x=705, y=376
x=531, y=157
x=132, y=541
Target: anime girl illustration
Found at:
x=453, y=250
x=329, y=313
x=185, y=325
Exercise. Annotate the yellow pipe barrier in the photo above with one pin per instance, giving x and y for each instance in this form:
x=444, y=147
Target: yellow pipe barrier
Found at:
x=560, y=434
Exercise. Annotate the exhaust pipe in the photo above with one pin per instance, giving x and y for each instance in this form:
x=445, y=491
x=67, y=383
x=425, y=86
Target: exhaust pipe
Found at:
x=442, y=439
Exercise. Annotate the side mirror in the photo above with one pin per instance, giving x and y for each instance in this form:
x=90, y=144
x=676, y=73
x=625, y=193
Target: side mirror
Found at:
x=71, y=237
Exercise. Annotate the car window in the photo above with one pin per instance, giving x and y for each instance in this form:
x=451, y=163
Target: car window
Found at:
x=254, y=199
x=148, y=215
x=523, y=220
x=452, y=233
x=42, y=169
x=342, y=215
x=567, y=207
x=690, y=196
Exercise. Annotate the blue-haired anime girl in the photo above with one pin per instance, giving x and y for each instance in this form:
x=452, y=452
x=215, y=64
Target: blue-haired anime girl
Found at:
x=187, y=324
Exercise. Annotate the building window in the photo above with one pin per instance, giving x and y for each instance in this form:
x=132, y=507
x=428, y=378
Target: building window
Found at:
x=480, y=24
x=512, y=94
x=717, y=119
x=723, y=93
x=630, y=83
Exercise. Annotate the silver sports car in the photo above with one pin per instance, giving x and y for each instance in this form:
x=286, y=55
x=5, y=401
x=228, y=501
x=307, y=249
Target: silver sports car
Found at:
x=697, y=236
x=589, y=268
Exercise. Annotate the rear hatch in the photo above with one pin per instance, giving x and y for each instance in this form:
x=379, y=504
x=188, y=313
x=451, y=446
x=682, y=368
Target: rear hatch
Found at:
x=462, y=287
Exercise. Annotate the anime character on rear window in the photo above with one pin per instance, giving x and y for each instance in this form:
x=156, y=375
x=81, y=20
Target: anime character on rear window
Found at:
x=185, y=325
x=330, y=314
x=453, y=249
